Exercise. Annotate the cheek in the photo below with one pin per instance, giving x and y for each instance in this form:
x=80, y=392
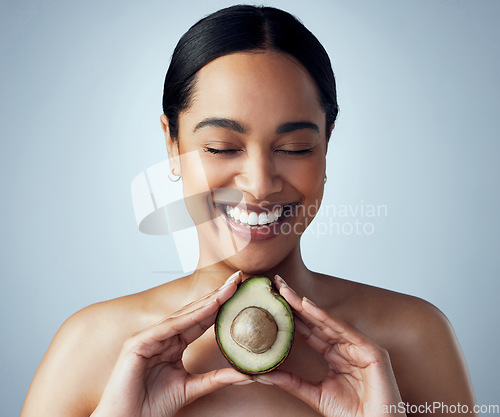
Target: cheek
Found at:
x=307, y=177
x=195, y=177
x=220, y=173
x=212, y=179
x=200, y=172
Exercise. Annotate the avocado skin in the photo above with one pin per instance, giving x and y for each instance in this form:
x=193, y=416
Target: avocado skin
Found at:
x=275, y=293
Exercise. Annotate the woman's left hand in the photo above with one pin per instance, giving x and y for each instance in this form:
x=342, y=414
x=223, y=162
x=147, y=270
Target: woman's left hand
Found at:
x=360, y=381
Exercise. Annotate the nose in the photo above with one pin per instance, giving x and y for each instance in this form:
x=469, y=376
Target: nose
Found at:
x=259, y=176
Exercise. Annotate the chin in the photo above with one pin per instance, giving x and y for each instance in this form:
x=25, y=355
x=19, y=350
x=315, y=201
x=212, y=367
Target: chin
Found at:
x=255, y=263
x=254, y=256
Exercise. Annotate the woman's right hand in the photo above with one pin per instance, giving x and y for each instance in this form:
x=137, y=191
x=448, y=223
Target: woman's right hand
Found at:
x=149, y=378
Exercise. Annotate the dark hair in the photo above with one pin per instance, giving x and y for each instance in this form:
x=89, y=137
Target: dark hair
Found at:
x=245, y=28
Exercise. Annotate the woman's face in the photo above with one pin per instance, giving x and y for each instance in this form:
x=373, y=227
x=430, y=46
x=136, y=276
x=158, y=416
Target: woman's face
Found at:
x=256, y=130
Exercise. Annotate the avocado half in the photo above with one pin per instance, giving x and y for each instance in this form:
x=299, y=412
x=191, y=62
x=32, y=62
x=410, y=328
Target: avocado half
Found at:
x=254, y=328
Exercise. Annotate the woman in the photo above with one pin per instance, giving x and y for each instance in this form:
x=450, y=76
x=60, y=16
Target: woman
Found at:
x=249, y=106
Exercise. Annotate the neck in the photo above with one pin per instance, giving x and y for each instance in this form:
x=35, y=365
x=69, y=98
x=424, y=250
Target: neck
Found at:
x=292, y=269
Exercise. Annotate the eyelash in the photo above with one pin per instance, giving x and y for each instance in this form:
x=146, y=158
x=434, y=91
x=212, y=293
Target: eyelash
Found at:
x=219, y=151
x=283, y=151
x=299, y=152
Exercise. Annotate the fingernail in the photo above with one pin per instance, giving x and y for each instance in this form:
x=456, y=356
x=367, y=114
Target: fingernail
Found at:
x=308, y=301
x=279, y=279
x=248, y=381
x=232, y=279
x=282, y=283
x=261, y=381
x=291, y=289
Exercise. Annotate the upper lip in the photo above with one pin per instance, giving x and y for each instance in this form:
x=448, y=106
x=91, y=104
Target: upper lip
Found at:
x=256, y=208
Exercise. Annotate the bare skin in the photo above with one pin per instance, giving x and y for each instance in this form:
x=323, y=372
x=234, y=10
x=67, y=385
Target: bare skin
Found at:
x=425, y=356
x=148, y=354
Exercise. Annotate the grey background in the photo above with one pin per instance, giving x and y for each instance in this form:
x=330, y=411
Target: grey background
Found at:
x=81, y=86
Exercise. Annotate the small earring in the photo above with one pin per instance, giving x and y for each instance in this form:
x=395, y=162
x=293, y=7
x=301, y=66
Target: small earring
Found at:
x=172, y=177
x=324, y=181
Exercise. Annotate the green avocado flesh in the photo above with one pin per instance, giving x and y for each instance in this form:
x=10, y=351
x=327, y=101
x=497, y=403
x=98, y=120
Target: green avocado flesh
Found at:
x=254, y=328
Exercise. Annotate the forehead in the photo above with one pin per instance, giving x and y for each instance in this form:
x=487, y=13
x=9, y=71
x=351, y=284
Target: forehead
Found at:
x=256, y=87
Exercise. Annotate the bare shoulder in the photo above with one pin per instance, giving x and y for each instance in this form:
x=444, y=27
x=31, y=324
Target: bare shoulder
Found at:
x=80, y=358
x=426, y=357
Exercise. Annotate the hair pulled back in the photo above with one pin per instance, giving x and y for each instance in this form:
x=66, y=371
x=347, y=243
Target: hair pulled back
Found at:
x=245, y=28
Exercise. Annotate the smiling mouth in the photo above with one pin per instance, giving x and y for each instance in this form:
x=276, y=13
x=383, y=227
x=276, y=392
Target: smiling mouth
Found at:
x=258, y=219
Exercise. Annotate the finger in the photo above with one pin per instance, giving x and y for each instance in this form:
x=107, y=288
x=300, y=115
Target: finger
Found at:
x=288, y=293
x=337, y=363
x=228, y=288
x=321, y=318
x=329, y=332
x=324, y=326
x=331, y=326
x=198, y=317
x=297, y=303
x=342, y=346
x=180, y=330
x=200, y=385
x=318, y=344
x=219, y=296
x=302, y=389
x=348, y=342
x=352, y=345
x=335, y=340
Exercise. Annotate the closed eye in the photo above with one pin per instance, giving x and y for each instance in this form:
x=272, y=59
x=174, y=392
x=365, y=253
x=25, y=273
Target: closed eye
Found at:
x=216, y=151
x=297, y=152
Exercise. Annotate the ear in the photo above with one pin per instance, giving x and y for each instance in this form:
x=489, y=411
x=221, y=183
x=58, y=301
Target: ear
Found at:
x=172, y=146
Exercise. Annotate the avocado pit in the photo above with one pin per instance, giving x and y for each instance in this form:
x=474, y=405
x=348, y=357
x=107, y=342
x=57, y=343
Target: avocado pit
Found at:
x=254, y=329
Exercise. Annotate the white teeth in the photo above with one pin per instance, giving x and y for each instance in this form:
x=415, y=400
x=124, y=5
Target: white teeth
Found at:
x=263, y=219
x=253, y=218
x=244, y=217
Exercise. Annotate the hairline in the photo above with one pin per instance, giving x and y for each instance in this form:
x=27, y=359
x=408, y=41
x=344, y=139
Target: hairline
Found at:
x=192, y=87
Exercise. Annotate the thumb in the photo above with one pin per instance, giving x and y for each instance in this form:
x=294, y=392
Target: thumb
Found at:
x=199, y=385
x=302, y=389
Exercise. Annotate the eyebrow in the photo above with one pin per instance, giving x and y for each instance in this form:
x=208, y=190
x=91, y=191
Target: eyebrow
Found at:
x=223, y=123
x=239, y=128
x=293, y=126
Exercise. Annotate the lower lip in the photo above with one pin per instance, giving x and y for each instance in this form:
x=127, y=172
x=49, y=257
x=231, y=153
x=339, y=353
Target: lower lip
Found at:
x=256, y=234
